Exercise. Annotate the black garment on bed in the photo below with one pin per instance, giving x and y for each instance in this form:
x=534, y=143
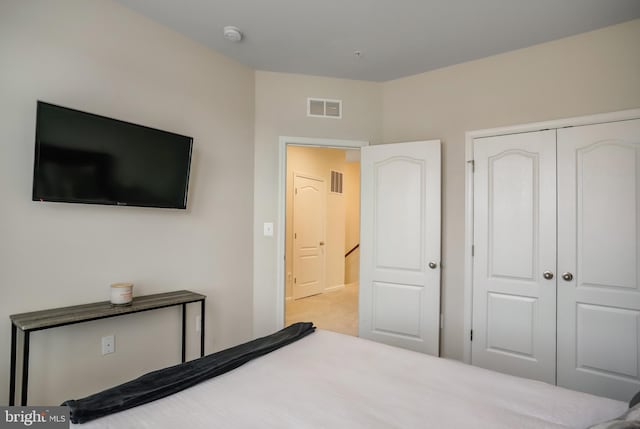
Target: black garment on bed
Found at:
x=167, y=381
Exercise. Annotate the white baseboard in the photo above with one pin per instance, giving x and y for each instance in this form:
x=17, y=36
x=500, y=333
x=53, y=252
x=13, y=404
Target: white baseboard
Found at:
x=330, y=289
x=334, y=288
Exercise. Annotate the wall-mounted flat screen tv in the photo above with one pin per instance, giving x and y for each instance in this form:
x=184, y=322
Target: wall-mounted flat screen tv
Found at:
x=85, y=158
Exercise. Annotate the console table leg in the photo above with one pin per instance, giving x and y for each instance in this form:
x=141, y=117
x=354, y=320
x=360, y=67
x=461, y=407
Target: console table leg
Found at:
x=25, y=369
x=184, y=332
x=12, y=375
x=202, y=328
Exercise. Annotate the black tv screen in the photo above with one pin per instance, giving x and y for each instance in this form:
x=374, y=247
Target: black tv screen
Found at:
x=85, y=158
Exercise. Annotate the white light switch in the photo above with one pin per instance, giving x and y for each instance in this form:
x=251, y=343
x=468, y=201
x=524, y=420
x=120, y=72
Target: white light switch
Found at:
x=268, y=229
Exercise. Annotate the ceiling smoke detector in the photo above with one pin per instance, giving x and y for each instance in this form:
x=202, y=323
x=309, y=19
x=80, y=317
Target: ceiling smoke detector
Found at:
x=232, y=33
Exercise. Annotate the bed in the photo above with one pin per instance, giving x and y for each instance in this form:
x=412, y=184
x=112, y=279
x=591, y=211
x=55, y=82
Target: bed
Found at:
x=330, y=380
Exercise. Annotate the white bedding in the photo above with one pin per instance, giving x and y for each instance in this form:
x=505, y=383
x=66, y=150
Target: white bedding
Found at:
x=329, y=380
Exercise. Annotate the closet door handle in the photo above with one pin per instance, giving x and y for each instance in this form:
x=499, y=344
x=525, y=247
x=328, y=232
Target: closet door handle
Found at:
x=547, y=275
x=567, y=276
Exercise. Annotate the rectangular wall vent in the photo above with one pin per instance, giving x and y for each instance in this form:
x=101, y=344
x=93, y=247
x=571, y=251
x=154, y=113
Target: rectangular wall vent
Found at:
x=323, y=108
x=336, y=182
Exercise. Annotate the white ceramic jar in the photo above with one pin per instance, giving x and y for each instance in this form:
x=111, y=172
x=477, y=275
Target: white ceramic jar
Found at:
x=121, y=293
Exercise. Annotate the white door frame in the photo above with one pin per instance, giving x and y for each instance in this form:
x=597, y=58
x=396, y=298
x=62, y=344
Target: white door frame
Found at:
x=284, y=141
x=468, y=219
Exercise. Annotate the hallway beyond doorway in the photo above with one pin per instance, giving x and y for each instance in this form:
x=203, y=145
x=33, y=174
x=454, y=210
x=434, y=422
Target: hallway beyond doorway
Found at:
x=335, y=311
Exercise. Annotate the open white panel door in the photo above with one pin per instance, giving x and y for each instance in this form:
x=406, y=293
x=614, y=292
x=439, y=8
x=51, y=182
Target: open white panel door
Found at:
x=400, y=245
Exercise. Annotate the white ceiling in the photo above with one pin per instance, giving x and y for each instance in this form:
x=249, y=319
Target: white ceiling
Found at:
x=397, y=38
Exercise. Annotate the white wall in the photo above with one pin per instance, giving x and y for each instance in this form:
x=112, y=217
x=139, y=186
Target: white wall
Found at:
x=280, y=110
x=585, y=74
x=97, y=56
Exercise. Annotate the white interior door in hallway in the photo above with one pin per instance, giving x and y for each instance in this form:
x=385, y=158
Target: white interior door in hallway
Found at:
x=309, y=208
x=562, y=306
x=400, y=245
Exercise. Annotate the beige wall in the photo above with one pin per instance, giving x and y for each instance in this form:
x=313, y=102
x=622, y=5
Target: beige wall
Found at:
x=318, y=162
x=280, y=110
x=97, y=56
x=585, y=74
x=352, y=229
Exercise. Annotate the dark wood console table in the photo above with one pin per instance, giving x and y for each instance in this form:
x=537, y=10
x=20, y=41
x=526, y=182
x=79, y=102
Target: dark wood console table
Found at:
x=45, y=319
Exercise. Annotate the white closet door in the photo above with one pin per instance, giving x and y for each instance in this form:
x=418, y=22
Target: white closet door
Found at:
x=514, y=305
x=598, y=226
x=400, y=245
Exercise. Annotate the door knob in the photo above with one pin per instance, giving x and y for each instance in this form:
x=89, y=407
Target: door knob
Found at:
x=322, y=243
x=547, y=275
x=567, y=276
x=433, y=265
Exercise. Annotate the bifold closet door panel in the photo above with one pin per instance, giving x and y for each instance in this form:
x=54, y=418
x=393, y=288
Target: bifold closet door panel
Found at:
x=598, y=227
x=514, y=305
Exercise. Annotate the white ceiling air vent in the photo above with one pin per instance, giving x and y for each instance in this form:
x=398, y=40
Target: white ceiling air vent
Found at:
x=323, y=108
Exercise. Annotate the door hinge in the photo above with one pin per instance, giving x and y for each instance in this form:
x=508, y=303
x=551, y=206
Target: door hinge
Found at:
x=472, y=335
x=295, y=280
x=295, y=235
x=473, y=250
x=296, y=191
x=473, y=165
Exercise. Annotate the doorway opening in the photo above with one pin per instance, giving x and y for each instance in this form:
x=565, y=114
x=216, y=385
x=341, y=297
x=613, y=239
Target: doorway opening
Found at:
x=320, y=234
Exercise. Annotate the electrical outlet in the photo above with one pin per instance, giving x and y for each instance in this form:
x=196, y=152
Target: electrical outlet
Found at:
x=108, y=344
